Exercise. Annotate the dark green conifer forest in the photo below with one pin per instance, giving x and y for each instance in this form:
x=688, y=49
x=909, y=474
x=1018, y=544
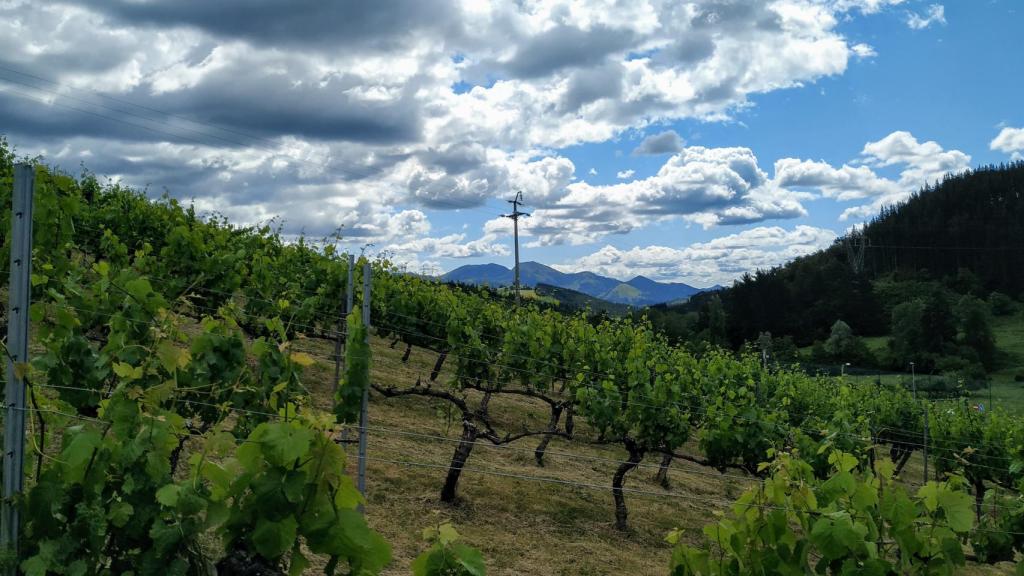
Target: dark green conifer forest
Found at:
x=929, y=271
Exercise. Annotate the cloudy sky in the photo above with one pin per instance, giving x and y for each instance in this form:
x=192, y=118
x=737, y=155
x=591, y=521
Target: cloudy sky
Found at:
x=686, y=141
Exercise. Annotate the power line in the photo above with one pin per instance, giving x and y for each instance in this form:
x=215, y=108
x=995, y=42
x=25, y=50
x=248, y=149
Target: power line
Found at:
x=533, y=478
x=947, y=247
x=414, y=434
x=687, y=407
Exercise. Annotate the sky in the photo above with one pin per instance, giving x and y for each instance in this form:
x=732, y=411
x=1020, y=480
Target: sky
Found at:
x=682, y=141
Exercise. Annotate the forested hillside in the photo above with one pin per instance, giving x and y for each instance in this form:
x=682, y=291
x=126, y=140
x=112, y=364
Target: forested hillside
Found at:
x=964, y=236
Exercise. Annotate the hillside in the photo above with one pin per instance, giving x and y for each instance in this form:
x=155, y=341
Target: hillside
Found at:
x=571, y=300
x=639, y=291
x=550, y=521
x=966, y=233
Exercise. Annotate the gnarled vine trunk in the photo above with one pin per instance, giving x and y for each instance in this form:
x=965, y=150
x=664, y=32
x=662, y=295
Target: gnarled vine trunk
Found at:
x=979, y=496
x=437, y=365
x=463, y=450
x=408, y=350
x=904, y=457
x=635, y=456
x=459, y=458
x=662, y=476
x=241, y=562
x=556, y=415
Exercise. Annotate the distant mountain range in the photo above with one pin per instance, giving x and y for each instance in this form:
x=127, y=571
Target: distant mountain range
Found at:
x=639, y=291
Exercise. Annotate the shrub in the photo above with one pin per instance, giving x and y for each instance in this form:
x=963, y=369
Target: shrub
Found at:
x=785, y=350
x=843, y=346
x=1001, y=304
x=962, y=370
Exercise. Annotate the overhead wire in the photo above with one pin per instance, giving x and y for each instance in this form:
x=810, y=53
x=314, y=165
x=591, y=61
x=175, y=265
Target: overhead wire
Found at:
x=689, y=408
x=519, y=370
x=476, y=469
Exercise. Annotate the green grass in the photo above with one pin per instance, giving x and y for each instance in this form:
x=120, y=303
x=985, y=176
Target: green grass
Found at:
x=1009, y=333
x=523, y=526
x=1005, y=393
x=561, y=527
x=531, y=294
x=877, y=344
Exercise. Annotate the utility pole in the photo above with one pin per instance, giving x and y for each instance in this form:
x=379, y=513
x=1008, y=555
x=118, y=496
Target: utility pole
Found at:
x=364, y=410
x=515, y=202
x=926, y=435
x=17, y=349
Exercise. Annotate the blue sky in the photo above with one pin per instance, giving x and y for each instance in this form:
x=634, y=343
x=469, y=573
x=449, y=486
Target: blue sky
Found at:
x=406, y=125
x=956, y=83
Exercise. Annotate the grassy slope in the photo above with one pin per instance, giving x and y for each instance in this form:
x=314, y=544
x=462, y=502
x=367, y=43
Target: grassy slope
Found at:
x=1009, y=332
x=571, y=300
x=524, y=526
x=1006, y=394
x=531, y=294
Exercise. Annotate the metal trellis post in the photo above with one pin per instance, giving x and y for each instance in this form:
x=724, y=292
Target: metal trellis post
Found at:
x=339, y=360
x=926, y=434
x=349, y=295
x=364, y=410
x=17, y=349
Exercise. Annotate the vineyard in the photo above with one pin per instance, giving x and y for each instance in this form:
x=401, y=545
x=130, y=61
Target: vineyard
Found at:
x=177, y=420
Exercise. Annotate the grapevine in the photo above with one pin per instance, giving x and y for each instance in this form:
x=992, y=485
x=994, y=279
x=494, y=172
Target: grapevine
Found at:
x=165, y=334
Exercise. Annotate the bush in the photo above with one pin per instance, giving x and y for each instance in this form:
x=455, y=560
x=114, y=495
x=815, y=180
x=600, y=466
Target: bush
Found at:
x=1019, y=377
x=785, y=350
x=962, y=370
x=1000, y=534
x=992, y=546
x=843, y=346
x=948, y=385
x=818, y=354
x=1001, y=304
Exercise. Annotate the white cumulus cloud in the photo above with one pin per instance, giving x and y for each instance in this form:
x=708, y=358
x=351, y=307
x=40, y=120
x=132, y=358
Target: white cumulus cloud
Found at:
x=704, y=264
x=864, y=50
x=369, y=116
x=1010, y=141
x=935, y=14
